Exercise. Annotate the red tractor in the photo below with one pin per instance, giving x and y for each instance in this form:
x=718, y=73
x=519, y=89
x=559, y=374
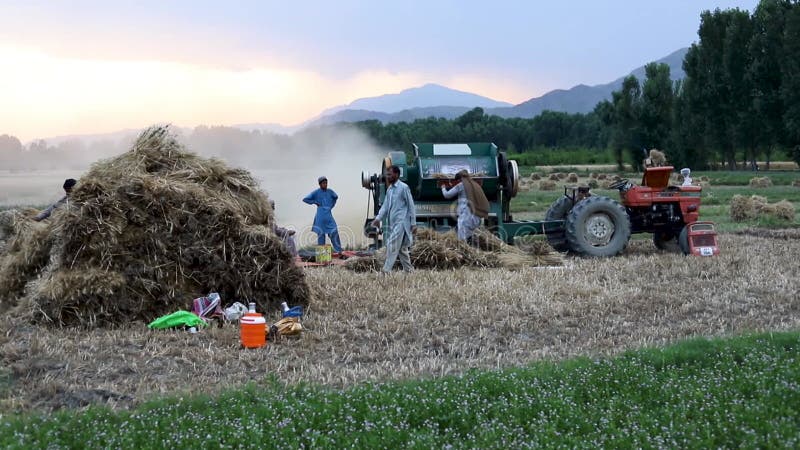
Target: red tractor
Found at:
x=601, y=226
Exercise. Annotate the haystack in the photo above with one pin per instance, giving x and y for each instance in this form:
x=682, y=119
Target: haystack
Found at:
x=592, y=183
x=796, y=182
x=547, y=185
x=441, y=251
x=601, y=176
x=572, y=177
x=536, y=176
x=747, y=208
x=553, y=177
x=760, y=182
x=144, y=234
x=561, y=175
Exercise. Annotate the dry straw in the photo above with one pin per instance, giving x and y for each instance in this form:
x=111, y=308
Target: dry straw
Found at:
x=144, y=233
x=745, y=208
x=760, y=182
x=547, y=185
x=536, y=176
x=572, y=177
x=442, y=251
x=553, y=177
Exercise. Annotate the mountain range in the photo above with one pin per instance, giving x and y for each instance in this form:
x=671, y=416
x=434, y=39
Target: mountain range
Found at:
x=578, y=99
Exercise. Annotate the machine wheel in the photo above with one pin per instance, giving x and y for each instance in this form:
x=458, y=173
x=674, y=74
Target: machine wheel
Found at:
x=558, y=211
x=683, y=240
x=598, y=226
x=666, y=240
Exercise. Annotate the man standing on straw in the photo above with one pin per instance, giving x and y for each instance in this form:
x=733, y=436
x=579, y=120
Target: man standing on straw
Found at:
x=472, y=204
x=398, y=209
x=325, y=199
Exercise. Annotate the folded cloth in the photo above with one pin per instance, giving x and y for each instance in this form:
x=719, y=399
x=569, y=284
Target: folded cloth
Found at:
x=177, y=319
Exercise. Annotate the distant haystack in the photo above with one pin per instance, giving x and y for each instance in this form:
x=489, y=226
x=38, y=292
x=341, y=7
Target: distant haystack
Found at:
x=547, y=185
x=760, y=182
x=658, y=158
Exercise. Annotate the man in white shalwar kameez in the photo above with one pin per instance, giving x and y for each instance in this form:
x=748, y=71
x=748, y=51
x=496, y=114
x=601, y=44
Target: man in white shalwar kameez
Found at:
x=398, y=208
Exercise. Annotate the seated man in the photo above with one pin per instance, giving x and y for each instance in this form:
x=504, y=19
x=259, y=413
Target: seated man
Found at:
x=69, y=183
x=286, y=235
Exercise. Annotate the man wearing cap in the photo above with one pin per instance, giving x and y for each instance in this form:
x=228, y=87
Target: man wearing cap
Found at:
x=325, y=200
x=69, y=183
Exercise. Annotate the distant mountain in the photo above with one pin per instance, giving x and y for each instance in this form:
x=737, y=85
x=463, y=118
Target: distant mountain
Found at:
x=425, y=96
x=582, y=98
x=578, y=99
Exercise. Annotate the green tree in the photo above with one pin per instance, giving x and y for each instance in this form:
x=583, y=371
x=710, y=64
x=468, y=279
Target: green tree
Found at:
x=655, y=115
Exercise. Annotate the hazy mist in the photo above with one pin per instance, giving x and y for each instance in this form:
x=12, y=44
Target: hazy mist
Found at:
x=287, y=167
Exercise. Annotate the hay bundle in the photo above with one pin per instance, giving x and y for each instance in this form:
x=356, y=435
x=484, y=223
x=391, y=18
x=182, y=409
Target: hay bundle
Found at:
x=593, y=176
x=547, y=185
x=658, y=158
x=145, y=233
x=796, y=182
x=572, y=177
x=601, y=176
x=441, y=251
x=536, y=176
x=592, y=183
x=747, y=208
x=760, y=182
x=553, y=177
x=561, y=175
x=605, y=184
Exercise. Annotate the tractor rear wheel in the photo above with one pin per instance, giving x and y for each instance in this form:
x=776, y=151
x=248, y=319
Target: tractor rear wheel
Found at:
x=683, y=240
x=666, y=240
x=598, y=226
x=558, y=211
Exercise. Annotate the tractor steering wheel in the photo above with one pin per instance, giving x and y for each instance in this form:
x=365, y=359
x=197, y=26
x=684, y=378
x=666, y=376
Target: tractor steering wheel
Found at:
x=618, y=184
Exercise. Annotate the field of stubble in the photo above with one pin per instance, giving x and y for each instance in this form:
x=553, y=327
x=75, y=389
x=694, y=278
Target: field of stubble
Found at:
x=367, y=327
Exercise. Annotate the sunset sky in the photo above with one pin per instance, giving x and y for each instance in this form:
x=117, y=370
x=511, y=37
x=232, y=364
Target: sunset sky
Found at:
x=74, y=67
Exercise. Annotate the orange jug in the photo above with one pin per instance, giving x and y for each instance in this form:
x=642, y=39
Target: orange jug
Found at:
x=253, y=329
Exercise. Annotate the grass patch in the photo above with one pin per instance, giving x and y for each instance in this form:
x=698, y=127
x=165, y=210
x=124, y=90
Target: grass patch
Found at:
x=736, y=392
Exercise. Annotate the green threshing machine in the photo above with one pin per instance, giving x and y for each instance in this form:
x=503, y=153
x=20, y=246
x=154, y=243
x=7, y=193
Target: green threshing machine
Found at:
x=578, y=221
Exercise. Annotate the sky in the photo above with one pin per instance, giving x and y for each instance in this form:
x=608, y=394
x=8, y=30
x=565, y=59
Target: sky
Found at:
x=90, y=66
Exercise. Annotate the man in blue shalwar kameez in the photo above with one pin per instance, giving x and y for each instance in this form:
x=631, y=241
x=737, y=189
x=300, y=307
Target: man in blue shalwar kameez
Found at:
x=398, y=208
x=325, y=200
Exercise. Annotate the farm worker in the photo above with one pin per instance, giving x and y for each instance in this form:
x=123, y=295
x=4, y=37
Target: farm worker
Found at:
x=286, y=235
x=472, y=204
x=687, y=180
x=325, y=200
x=69, y=183
x=398, y=209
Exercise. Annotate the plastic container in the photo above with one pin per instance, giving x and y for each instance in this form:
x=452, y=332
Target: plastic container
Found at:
x=253, y=329
x=323, y=253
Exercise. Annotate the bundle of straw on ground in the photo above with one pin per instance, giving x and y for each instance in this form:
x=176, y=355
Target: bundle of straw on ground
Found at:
x=553, y=177
x=592, y=183
x=601, y=176
x=572, y=177
x=144, y=234
x=443, y=251
x=760, y=182
x=561, y=175
x=796, y=183
x=748, y=208
x=547, y=185
x=536, y=176
x=593, y=175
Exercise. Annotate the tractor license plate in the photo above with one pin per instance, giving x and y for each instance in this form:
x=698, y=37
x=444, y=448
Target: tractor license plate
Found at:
x=706, y=251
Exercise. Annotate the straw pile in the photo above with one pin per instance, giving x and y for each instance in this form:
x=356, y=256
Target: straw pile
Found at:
x=553, y=177
x=601, y=176
x=547, y=185
x=443, y=251
x=760, y=182
x=572, y=177
x=593, y=175
x=658, y=158
x=561, y=175
x=536, y=176
x=747, y=208
x=592, y=183
x=796, y=182
x=144, y=233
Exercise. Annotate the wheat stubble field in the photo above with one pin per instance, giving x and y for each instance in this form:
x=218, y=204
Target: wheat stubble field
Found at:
x=361, y=326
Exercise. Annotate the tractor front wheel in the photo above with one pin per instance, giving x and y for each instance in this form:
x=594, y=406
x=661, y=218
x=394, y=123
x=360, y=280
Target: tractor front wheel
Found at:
x=666, y=240
x=558, y=211
x=598, y=226
x=683, y=240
